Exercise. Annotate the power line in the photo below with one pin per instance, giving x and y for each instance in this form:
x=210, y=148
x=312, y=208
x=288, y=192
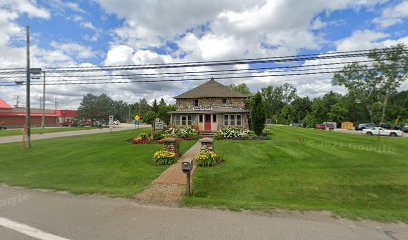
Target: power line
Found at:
x=191, y=79
x=366, y=51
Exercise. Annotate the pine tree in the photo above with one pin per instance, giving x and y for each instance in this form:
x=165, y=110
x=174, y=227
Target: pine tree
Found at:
x=155, y=107
x=258, y=114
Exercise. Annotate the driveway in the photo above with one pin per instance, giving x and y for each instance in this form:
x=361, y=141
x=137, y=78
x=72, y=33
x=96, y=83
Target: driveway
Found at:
x=120, y=127
x=25, y=214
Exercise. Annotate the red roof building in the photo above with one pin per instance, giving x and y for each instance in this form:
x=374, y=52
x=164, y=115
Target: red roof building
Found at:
x=15, y=117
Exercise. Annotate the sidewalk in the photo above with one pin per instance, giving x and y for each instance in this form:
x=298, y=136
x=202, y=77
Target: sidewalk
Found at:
x=169, y=187
x=174, y=174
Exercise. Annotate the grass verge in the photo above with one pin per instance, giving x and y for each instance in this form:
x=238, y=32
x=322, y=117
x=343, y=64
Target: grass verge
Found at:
x=306, y=169
x=96, y=163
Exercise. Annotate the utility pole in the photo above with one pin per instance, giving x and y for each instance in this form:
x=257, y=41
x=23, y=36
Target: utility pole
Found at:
x=43, y=103
x=18, y=98
x=129, y=112
x=28, y=120
x=55, y=102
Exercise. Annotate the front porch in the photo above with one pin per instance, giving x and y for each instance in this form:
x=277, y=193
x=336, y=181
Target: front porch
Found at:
x=209, y=121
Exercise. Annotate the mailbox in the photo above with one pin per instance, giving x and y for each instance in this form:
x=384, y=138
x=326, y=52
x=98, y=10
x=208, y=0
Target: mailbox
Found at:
x=187, y=166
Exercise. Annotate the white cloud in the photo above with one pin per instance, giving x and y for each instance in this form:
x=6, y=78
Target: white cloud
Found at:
x=74, y=49
x=361, y=39
x=25, y=6
x=393, y=15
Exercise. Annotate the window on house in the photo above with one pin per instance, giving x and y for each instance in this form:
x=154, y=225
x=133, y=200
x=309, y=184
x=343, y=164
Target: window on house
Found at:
x=201, y=118
x=239, y=122
x=183, y=120
x=214, y=118
x=195, y=102
x=225, y=120
x=224, y=101
x=232, y=120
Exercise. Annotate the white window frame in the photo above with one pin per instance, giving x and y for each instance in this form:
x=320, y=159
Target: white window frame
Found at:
x=232, y=120
x=188, y=121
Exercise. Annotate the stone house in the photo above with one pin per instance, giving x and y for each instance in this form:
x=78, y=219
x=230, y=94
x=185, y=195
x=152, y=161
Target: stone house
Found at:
x=210, y=107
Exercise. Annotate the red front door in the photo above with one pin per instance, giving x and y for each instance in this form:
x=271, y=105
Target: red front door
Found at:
x=207, y=122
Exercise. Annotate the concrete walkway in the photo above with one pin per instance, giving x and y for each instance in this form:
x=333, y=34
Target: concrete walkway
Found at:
x=18, y=138
x=174, y=174
x=169, y=187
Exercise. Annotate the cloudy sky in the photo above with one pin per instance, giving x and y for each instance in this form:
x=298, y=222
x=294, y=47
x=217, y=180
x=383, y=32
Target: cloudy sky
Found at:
x=116, y=32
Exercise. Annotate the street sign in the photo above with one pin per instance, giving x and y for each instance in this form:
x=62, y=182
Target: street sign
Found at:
x=137, y=117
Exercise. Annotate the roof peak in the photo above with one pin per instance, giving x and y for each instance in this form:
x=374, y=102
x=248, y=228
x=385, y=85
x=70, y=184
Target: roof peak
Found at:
x=211, y=88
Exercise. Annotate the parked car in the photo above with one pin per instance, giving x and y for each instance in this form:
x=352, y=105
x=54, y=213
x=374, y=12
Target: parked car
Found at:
x=296, y=125
x=405, y=128
x=2, y=127
x=67, y=124
x=325, y=126
x=382, y=132
x=362, y=126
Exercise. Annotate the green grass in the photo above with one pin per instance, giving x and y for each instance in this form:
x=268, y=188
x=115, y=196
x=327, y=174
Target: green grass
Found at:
x=97, y=163
x=13, y=132
x=358, y=177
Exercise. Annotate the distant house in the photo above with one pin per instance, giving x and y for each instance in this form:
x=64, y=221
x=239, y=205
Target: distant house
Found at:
x=210, y=107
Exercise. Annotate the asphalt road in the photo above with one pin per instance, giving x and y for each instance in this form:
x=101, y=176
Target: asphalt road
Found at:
x=61, y=216
x=121, y=127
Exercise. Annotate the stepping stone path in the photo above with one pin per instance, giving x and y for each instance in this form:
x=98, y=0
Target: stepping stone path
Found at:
x=169, y=187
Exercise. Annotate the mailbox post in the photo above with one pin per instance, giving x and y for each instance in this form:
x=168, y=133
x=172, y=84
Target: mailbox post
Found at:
x=187, y=167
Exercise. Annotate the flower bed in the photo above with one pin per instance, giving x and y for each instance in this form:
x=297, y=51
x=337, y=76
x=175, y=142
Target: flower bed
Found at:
x=233, y=133
x=207, y=159
x=185, y=133
x=163, y=157
x=143, y=138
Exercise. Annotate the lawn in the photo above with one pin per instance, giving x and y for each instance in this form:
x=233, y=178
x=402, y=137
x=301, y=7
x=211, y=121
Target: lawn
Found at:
x=13, y=132
x=359, y=177
x=97, y=163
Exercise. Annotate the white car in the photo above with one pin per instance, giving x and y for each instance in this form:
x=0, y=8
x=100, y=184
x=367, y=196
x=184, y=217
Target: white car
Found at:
x=382, y=132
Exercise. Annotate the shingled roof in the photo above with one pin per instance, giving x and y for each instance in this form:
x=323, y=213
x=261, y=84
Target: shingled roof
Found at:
x=211, y=88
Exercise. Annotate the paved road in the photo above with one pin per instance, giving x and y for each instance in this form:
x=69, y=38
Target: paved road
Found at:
x=50, y=215
x=121, y=127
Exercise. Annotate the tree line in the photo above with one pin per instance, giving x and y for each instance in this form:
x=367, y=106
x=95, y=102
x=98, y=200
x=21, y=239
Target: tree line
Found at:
x=95, y=107
x=372, y=94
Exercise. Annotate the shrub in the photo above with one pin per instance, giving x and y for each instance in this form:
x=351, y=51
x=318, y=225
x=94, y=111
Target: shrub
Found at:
x=185, y=132
x=163, y=157
x=142, y=136
x=234, y=133
x=267, y=132
x=258, y=114
x=207, y=159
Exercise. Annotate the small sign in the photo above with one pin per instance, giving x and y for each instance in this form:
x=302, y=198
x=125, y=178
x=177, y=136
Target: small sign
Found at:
x=137, y=117
x=110, y=120
x=158, y=125
x=137, y=122
x=202, y=109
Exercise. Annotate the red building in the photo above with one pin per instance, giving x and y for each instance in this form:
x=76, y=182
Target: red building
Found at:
x=15, y=117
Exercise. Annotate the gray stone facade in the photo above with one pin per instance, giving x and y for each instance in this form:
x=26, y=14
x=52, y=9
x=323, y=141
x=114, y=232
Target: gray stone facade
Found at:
x=188, y=103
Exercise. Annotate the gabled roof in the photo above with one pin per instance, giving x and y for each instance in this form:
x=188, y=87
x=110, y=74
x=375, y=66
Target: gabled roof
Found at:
x=4, y=105
x=211, y=88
